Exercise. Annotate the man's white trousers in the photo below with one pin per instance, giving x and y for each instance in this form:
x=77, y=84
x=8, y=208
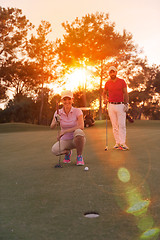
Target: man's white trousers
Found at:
x=118, y=120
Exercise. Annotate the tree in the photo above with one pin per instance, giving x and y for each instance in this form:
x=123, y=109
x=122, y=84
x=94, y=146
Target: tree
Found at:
x=20, y=109
x=47, y=113
x=156, y=82
x=3, y=95
x=41, y=51
x=91, y=96
x=19, y=77
x=144, y=98
x=92, y=40
x=13, y=34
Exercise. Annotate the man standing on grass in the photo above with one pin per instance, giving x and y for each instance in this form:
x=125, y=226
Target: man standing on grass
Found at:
x=116, y=96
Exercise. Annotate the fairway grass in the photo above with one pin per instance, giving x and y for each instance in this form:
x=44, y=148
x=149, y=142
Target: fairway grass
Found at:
x=21, y=127
x=40, y=202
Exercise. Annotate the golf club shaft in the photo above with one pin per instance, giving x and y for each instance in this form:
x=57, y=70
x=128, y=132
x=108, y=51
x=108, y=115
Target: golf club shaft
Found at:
x=57, y=106
x=106, y=135
x=59, y=144
x=106, y=148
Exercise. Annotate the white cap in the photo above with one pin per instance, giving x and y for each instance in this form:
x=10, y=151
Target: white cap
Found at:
x=66, y=93
x=112, y=68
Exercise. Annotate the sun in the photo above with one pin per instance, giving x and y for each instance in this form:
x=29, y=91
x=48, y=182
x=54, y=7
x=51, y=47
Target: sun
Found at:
x=73, y=81
x=82, y=78
x=76, y=79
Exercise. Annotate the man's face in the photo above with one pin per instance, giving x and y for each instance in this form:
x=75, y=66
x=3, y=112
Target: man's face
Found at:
x=112, y=74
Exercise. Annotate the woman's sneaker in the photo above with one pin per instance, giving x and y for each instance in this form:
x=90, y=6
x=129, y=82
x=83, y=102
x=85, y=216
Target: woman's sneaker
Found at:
x=80, y=161
x=67, y=157
x=123, y=147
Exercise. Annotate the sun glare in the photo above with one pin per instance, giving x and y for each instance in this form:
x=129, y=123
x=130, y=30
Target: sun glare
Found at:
x=77, y=79
x=83, y=78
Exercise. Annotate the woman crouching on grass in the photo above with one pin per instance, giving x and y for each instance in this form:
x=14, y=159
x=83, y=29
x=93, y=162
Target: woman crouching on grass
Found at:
x=71, y=135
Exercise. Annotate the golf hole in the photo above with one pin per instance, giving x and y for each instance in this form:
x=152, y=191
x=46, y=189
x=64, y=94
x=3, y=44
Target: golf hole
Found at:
x=91, y=214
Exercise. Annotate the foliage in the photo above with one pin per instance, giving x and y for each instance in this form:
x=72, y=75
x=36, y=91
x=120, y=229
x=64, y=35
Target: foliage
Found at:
x=144, y=99
x=84, y=99
x=92, y=40
x=41, y=51
x=19, y=76
x=53, y=103
x=47, y=107
x=3, y=95
x=27, y=64
x=13, y=33
x=20, y=109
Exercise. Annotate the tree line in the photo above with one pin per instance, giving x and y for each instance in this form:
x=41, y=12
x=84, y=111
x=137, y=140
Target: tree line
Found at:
x=29, y=61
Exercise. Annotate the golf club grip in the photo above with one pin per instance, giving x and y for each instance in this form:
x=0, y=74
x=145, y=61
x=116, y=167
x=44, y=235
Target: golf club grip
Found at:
x=57, y=108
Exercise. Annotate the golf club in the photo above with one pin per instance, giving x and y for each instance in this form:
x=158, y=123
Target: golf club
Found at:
x=106, y=148
x=129, y=118
x=58, y=126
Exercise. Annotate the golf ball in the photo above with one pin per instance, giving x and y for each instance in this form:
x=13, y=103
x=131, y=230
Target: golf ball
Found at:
x=86, y=168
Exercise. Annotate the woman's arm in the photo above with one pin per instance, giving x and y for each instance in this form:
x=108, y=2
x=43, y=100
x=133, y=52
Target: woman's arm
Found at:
x=53, y=123
x=80, y=125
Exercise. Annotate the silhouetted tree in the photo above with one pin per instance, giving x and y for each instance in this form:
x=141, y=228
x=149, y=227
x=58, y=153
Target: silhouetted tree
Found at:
x=20, y=77
x=20, y=109
x=144, y=99
x=13, y=34
x=92, y=40
x=41, y=51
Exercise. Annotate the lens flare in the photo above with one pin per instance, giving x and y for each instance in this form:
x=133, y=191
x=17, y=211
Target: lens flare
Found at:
x=145, y=222
x=149, y=234
x=139, y=208
x=123, y=175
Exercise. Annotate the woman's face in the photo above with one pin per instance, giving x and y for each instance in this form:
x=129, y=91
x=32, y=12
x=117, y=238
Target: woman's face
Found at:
x=67, y=102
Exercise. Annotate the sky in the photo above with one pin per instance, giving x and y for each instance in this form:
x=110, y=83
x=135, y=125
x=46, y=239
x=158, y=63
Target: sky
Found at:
x=139, y=17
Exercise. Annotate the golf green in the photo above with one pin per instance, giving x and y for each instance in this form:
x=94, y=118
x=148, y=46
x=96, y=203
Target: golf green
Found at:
x=40, y=202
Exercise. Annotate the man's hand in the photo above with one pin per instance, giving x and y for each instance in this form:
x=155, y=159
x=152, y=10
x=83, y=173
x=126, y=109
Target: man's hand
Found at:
x=126, y=107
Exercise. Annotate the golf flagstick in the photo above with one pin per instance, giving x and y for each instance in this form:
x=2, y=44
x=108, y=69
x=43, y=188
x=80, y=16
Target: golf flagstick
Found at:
x=106, y=148
x=58, y=125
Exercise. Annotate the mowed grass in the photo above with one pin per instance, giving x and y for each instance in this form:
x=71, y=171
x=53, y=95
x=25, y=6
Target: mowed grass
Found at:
x=40, y=202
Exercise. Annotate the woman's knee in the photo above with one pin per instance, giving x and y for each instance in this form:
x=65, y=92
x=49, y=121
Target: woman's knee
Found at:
x=79, y=135
x=55, y=149
x=79, y=132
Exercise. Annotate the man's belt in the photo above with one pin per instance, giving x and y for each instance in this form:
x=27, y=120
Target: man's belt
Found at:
x=116, y=102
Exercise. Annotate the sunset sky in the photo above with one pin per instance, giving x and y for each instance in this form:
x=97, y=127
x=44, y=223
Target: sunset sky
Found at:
x=140, y=17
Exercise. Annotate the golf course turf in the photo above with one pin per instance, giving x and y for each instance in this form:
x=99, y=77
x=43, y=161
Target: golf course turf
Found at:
x=40, y=202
